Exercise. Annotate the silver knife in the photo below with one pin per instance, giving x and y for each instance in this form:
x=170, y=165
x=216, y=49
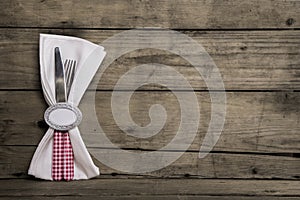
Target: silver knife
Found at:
x=60, y=84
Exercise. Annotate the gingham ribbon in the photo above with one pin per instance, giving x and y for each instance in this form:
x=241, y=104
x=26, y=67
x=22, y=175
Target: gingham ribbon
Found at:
x=62, y=158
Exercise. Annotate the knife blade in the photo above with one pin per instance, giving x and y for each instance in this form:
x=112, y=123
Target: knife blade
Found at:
x=60, y=84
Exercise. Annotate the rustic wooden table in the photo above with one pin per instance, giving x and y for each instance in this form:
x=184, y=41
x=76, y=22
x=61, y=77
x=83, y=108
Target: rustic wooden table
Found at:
x=255, y=44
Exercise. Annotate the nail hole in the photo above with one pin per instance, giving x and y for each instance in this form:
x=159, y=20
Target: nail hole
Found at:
x=114, y=174
x=42, y=124
x=254, y=170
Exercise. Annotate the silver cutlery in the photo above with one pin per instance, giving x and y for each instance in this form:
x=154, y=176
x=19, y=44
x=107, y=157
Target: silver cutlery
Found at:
x=64, y=76
x=60, y=84
x=70, y=68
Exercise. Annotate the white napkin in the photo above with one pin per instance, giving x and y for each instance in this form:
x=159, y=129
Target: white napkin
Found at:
x=89, y=57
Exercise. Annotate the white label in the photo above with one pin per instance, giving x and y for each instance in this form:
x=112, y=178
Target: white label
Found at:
x=62, y=116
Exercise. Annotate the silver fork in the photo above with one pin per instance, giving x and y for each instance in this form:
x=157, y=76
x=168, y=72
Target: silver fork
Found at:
x=70, y=68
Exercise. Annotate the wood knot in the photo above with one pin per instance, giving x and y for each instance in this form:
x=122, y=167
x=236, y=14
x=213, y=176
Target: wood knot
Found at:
x=290, y=21
x=244, y=48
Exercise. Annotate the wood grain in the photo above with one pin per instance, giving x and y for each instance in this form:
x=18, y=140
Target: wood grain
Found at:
x=154, y=197
x=255, y=45
x=255, y=121
x=15, y=161
x=123, y=187
x=162, y=13
x=256, y=60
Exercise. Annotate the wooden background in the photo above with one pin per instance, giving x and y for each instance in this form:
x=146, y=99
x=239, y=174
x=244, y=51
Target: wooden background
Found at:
x=255, y=44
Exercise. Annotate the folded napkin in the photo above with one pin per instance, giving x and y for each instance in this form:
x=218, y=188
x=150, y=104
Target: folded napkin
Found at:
x=88, y=57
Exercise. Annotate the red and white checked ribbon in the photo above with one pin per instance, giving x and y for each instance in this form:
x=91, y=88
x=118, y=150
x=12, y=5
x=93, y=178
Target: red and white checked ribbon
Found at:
x=62, y=157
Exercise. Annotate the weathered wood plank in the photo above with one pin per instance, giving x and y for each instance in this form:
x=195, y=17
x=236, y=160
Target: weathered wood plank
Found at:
x=256, y=60
x=15, y=161
x=123, y=187
x=255, y=121
x=152, y=197
x=162, y=13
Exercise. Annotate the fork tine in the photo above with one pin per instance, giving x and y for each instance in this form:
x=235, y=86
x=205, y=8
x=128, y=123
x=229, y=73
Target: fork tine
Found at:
x=70, y=66
x=73, y=72
x=65, y=64
x=67, y=69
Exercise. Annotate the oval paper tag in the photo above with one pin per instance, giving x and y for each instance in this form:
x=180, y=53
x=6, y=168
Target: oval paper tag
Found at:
x=62, y=116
